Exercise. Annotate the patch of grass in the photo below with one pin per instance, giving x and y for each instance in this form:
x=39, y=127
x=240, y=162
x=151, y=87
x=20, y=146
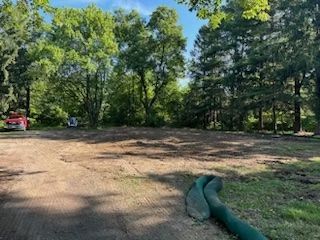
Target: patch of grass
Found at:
x=295, y=148
x=281, y=206
x=304, y=211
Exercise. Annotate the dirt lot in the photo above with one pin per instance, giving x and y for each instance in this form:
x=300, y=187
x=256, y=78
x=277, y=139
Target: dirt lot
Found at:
x=124, y=183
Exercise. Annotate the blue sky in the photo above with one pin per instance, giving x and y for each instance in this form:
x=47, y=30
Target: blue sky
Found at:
x=188, y=20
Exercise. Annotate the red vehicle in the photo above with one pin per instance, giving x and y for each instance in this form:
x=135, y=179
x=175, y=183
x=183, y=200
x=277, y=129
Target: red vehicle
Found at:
x=17, y=121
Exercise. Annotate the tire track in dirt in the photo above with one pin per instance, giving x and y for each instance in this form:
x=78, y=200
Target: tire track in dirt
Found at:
x=65, y=193
x=38, y=201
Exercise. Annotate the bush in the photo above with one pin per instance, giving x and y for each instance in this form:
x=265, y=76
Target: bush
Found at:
x=309, y=123
x=51, y=116
x=251, y=123
x=33, y=122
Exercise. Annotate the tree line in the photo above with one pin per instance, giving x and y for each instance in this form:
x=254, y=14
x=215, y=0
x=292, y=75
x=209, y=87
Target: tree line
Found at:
x=120, y=68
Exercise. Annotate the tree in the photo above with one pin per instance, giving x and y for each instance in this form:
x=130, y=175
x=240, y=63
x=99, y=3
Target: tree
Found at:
x=204, y=102
x=214, y=11
x=314, y=11
x=13, y=33
x=255, y=67
x=78, y=56
x=18, y=20
x=153, y=51
x=298, y=60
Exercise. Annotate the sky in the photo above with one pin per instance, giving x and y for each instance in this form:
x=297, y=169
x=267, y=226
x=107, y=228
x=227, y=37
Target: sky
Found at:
x=188, y=20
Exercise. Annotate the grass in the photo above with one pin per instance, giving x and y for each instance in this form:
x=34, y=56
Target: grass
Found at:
x=283, y=200
x=304, y=211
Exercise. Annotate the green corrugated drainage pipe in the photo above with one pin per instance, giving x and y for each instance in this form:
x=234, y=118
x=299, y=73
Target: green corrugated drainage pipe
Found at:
x=203, y=201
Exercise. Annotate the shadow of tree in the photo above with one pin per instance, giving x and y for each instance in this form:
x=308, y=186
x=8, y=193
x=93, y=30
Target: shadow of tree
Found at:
x=186, y=143
x=9, y=175
x=20, y=220
x=267, y=198
x=202, y=146
x=98, y=216
x=288, y=171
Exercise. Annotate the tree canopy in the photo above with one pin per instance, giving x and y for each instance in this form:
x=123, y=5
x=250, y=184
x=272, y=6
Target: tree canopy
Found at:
x=257, y=71
x=18, y=22
x=215, y=10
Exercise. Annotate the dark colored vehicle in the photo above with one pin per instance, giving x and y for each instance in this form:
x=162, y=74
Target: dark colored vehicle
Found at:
x=17, y=121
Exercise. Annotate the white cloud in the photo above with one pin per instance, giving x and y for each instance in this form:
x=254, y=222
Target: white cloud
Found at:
x=131, y=5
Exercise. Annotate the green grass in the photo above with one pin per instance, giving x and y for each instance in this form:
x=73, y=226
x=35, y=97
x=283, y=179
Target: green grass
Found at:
x=302, y=210
x=278, y=200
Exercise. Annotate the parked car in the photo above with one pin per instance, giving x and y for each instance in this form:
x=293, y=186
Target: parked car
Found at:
x=72, y=122
x=17, y=121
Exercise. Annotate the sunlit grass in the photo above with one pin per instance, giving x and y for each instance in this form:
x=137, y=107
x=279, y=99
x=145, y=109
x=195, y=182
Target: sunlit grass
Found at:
x=283, y=200
x=303, y=210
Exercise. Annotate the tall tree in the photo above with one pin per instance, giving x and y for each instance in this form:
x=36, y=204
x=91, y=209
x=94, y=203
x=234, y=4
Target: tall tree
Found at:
x=314, y=11
x=18, y=20
x=258, y=72
x=78, y=55
x=153, y=51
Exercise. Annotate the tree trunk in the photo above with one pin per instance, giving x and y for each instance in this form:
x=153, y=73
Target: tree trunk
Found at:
x=297, y=106
x=261, y=125
x=241, y=121
x=147, y=104
x=317, y=93
x=148, y=120
x=231, y=121
x=274, y=117
x=317, y=107
x=215, y=115
x=28, y=96
x=89, y=102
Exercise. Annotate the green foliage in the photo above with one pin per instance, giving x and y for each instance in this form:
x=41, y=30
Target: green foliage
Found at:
x=123, y=69
x=309, y=123
x=253, y=75
x=125, y=107
x=216, y=13
x=255, y=9
x=52, y=115
x=46, y=107
x=77, y=55
x=152, y=52
x=18, y=21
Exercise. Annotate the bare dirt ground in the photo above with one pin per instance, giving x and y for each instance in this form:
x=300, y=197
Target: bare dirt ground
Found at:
x=121, y=183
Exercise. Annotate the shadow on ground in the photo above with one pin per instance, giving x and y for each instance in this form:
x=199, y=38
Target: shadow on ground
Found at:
x=91, y=222
x=290, y=175
x=20, y=219
x=26, y=218
x=282, y=201
x=185, y=143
